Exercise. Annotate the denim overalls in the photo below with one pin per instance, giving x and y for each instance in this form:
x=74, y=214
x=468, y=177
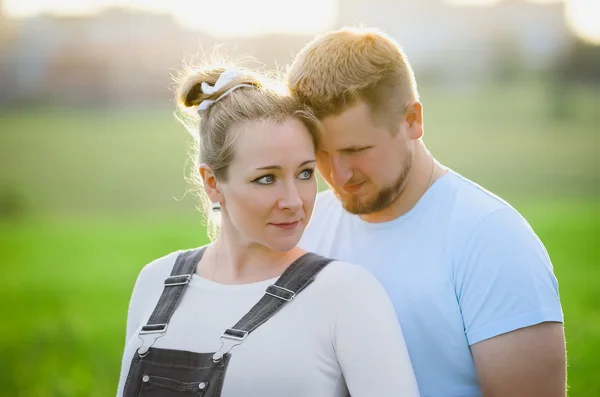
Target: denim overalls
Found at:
x=177, y=373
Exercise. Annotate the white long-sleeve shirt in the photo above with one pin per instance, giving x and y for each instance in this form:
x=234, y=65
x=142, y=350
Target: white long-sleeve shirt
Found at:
x=341, y=333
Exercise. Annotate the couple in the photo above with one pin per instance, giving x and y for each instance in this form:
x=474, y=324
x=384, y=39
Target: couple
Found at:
x=408, y=280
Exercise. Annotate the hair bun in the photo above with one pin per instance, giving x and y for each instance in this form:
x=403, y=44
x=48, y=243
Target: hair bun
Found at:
x=209, y=84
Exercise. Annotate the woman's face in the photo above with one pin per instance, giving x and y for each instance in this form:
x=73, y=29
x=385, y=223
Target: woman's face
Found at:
x=270, y=190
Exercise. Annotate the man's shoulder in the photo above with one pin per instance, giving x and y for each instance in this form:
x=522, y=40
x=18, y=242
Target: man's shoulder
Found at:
x=475, y=197
x=480, y=219
x=472, y=203
x=477, y=213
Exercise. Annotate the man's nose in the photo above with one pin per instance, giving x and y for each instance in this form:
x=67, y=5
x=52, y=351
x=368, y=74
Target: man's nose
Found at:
x=341, y=172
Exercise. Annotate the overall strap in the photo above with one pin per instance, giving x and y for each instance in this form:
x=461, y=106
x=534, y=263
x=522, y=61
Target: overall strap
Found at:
x=174, y=285
x=296, y=278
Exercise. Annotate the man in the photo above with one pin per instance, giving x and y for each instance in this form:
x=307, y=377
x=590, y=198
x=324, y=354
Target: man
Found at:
x=471, y=283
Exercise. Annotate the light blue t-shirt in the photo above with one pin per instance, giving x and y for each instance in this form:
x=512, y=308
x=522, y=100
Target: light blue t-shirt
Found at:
x=460, y=267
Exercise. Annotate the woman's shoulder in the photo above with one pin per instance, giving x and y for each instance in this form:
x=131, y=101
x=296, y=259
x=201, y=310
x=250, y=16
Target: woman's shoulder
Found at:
x=156, y=271
x=347, y=289
x=160, y=265
x=344, y=276
x=151, y=278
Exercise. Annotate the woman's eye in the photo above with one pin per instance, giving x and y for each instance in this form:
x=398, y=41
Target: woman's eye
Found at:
x=265, y=180
x=306, y=174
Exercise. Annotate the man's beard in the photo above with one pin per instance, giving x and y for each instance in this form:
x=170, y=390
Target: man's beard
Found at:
x=382, y=198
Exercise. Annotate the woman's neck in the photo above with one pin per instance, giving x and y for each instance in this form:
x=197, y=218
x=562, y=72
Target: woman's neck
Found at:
x=231, y=261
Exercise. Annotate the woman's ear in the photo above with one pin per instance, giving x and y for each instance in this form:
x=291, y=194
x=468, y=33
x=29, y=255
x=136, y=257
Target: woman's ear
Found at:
x=211, y=185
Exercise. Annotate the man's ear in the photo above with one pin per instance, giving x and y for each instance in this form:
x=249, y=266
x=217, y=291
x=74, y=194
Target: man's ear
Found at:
x=211, y=185
x=413, y=117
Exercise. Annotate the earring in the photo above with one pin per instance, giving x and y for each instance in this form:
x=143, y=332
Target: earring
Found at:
x=216, y=207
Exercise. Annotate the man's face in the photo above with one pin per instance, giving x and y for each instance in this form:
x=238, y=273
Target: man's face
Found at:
x=365, y=164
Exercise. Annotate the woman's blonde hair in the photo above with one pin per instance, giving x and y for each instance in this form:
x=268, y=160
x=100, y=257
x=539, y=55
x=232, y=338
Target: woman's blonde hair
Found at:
x=337, y=69
x=262, y=97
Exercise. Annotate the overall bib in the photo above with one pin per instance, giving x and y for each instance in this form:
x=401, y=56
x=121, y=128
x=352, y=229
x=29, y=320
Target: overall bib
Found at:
x=158, y=372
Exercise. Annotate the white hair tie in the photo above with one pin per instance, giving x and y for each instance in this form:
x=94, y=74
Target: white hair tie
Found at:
x=224, y=79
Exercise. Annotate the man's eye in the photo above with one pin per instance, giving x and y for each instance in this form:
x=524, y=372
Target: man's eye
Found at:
x=355, y=149
x=265, y=180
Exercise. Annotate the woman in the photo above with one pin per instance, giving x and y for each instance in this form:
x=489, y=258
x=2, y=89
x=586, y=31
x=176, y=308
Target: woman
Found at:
x=252, y=314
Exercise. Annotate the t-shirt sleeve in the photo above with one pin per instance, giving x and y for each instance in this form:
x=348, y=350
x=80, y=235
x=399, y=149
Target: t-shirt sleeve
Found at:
x=504, y=278
x=368, y=339
x=147, y=290
x=136, y=303
x=145, y=295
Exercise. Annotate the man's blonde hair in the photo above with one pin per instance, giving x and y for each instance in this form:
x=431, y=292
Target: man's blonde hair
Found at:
x=337, y=69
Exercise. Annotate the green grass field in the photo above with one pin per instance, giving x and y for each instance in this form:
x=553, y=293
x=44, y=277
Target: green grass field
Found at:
x=101, y=194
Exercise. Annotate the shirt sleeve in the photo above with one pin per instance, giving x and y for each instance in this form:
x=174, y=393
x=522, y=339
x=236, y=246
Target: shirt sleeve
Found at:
x=368, y=340
x=145, y=295
x=134, y=314
x=504, y=278
x=136, y=304
x=147, y=290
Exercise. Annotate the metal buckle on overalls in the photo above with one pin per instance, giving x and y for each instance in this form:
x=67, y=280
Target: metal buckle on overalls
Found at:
x=273, y=290
x=177, y=280
x=230, y=338
x=155, y=331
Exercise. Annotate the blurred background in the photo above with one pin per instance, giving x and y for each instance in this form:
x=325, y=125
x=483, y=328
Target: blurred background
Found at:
x=92, y=160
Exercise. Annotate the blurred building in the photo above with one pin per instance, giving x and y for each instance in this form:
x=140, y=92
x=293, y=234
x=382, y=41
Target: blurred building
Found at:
x=8, y=31
x=114, y=57
x=467, y=43
x=124, y=57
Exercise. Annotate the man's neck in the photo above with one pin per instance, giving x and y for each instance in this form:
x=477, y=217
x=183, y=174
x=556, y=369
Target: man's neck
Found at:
x=420, y=178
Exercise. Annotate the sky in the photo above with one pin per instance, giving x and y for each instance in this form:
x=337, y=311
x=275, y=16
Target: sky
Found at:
x=255, y=17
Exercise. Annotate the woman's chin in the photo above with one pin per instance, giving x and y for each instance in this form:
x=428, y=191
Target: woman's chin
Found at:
x=284, y=243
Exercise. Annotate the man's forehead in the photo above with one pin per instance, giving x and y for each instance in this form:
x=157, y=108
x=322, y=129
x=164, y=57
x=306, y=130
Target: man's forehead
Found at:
x=340, y=138
x=352, y=122
x=357, y=114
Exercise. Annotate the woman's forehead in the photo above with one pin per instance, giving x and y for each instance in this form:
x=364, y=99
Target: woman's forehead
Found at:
x=259, y=143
